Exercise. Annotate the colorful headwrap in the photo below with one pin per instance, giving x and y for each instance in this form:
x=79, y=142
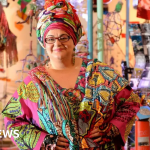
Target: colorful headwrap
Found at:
x=58, y=14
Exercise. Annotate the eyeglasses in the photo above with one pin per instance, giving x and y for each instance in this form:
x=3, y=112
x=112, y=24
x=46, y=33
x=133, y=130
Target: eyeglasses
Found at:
x=63, y=38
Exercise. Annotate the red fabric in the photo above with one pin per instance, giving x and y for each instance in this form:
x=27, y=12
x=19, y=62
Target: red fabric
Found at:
x=143, y=9
x=10, y=45
x=11, y=50
x=49, y=3
x=126, y=110
x=106, y=1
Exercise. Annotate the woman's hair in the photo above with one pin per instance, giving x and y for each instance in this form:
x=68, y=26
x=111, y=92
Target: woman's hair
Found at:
x=58, y=14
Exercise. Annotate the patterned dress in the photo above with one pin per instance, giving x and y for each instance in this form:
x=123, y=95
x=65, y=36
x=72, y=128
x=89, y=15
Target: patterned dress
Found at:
x=101, y=98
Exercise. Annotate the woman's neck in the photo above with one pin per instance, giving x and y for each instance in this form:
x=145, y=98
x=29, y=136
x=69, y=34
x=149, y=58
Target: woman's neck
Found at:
x=58, y=64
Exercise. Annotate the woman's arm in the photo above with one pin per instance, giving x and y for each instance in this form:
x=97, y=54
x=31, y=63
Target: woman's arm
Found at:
x=124, y=105
x=127, y=106
x=21, y=114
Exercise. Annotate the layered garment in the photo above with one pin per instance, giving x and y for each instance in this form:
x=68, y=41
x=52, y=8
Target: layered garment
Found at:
x=101, y=98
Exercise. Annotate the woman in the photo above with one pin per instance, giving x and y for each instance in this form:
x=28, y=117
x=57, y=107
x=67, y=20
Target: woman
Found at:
x=70, y=103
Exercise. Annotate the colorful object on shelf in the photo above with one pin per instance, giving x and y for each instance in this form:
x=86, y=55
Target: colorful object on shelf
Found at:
x=142, y=134
x=144, y=112
x=18, y=26
x=143, y=9
x=135, y=35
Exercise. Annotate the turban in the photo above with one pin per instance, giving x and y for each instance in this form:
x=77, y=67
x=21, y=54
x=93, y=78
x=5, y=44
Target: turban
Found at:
x=58, y=14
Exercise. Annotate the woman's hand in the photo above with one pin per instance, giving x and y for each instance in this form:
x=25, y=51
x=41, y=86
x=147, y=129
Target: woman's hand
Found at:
x=95, y=134
x=62, y=144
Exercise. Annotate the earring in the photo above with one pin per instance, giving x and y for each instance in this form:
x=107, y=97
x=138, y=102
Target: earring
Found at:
x=73, y=56
x=46, y=58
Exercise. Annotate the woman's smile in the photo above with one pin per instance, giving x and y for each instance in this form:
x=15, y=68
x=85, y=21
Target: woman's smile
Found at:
x=59, y=49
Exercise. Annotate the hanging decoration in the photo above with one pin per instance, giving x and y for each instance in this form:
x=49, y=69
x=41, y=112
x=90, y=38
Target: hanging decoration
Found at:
x=23, y=4
x=11, y=50
x=7, y=41
x=28, y=63
x=19, y=26
x=113, y=25
x=35, y=8
x=143, y=9
x=22, y=12
x=23, y=16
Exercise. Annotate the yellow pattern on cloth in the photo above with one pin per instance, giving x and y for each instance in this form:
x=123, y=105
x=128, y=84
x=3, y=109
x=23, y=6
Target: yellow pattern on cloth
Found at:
x=109, y=73
x=105, y=95
x=128, y=128
x=28, y=91
x=99, y=81
x=34, y=134
x=134, y=98
x=14, y=106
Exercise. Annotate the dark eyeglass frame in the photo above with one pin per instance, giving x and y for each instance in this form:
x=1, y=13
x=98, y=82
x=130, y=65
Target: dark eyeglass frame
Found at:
x=69, y=37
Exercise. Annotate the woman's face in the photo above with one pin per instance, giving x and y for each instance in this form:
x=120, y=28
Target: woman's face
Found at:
x=57, y=49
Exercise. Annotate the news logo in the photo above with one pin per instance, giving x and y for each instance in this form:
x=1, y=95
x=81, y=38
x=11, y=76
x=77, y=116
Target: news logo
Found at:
x=9, y=133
